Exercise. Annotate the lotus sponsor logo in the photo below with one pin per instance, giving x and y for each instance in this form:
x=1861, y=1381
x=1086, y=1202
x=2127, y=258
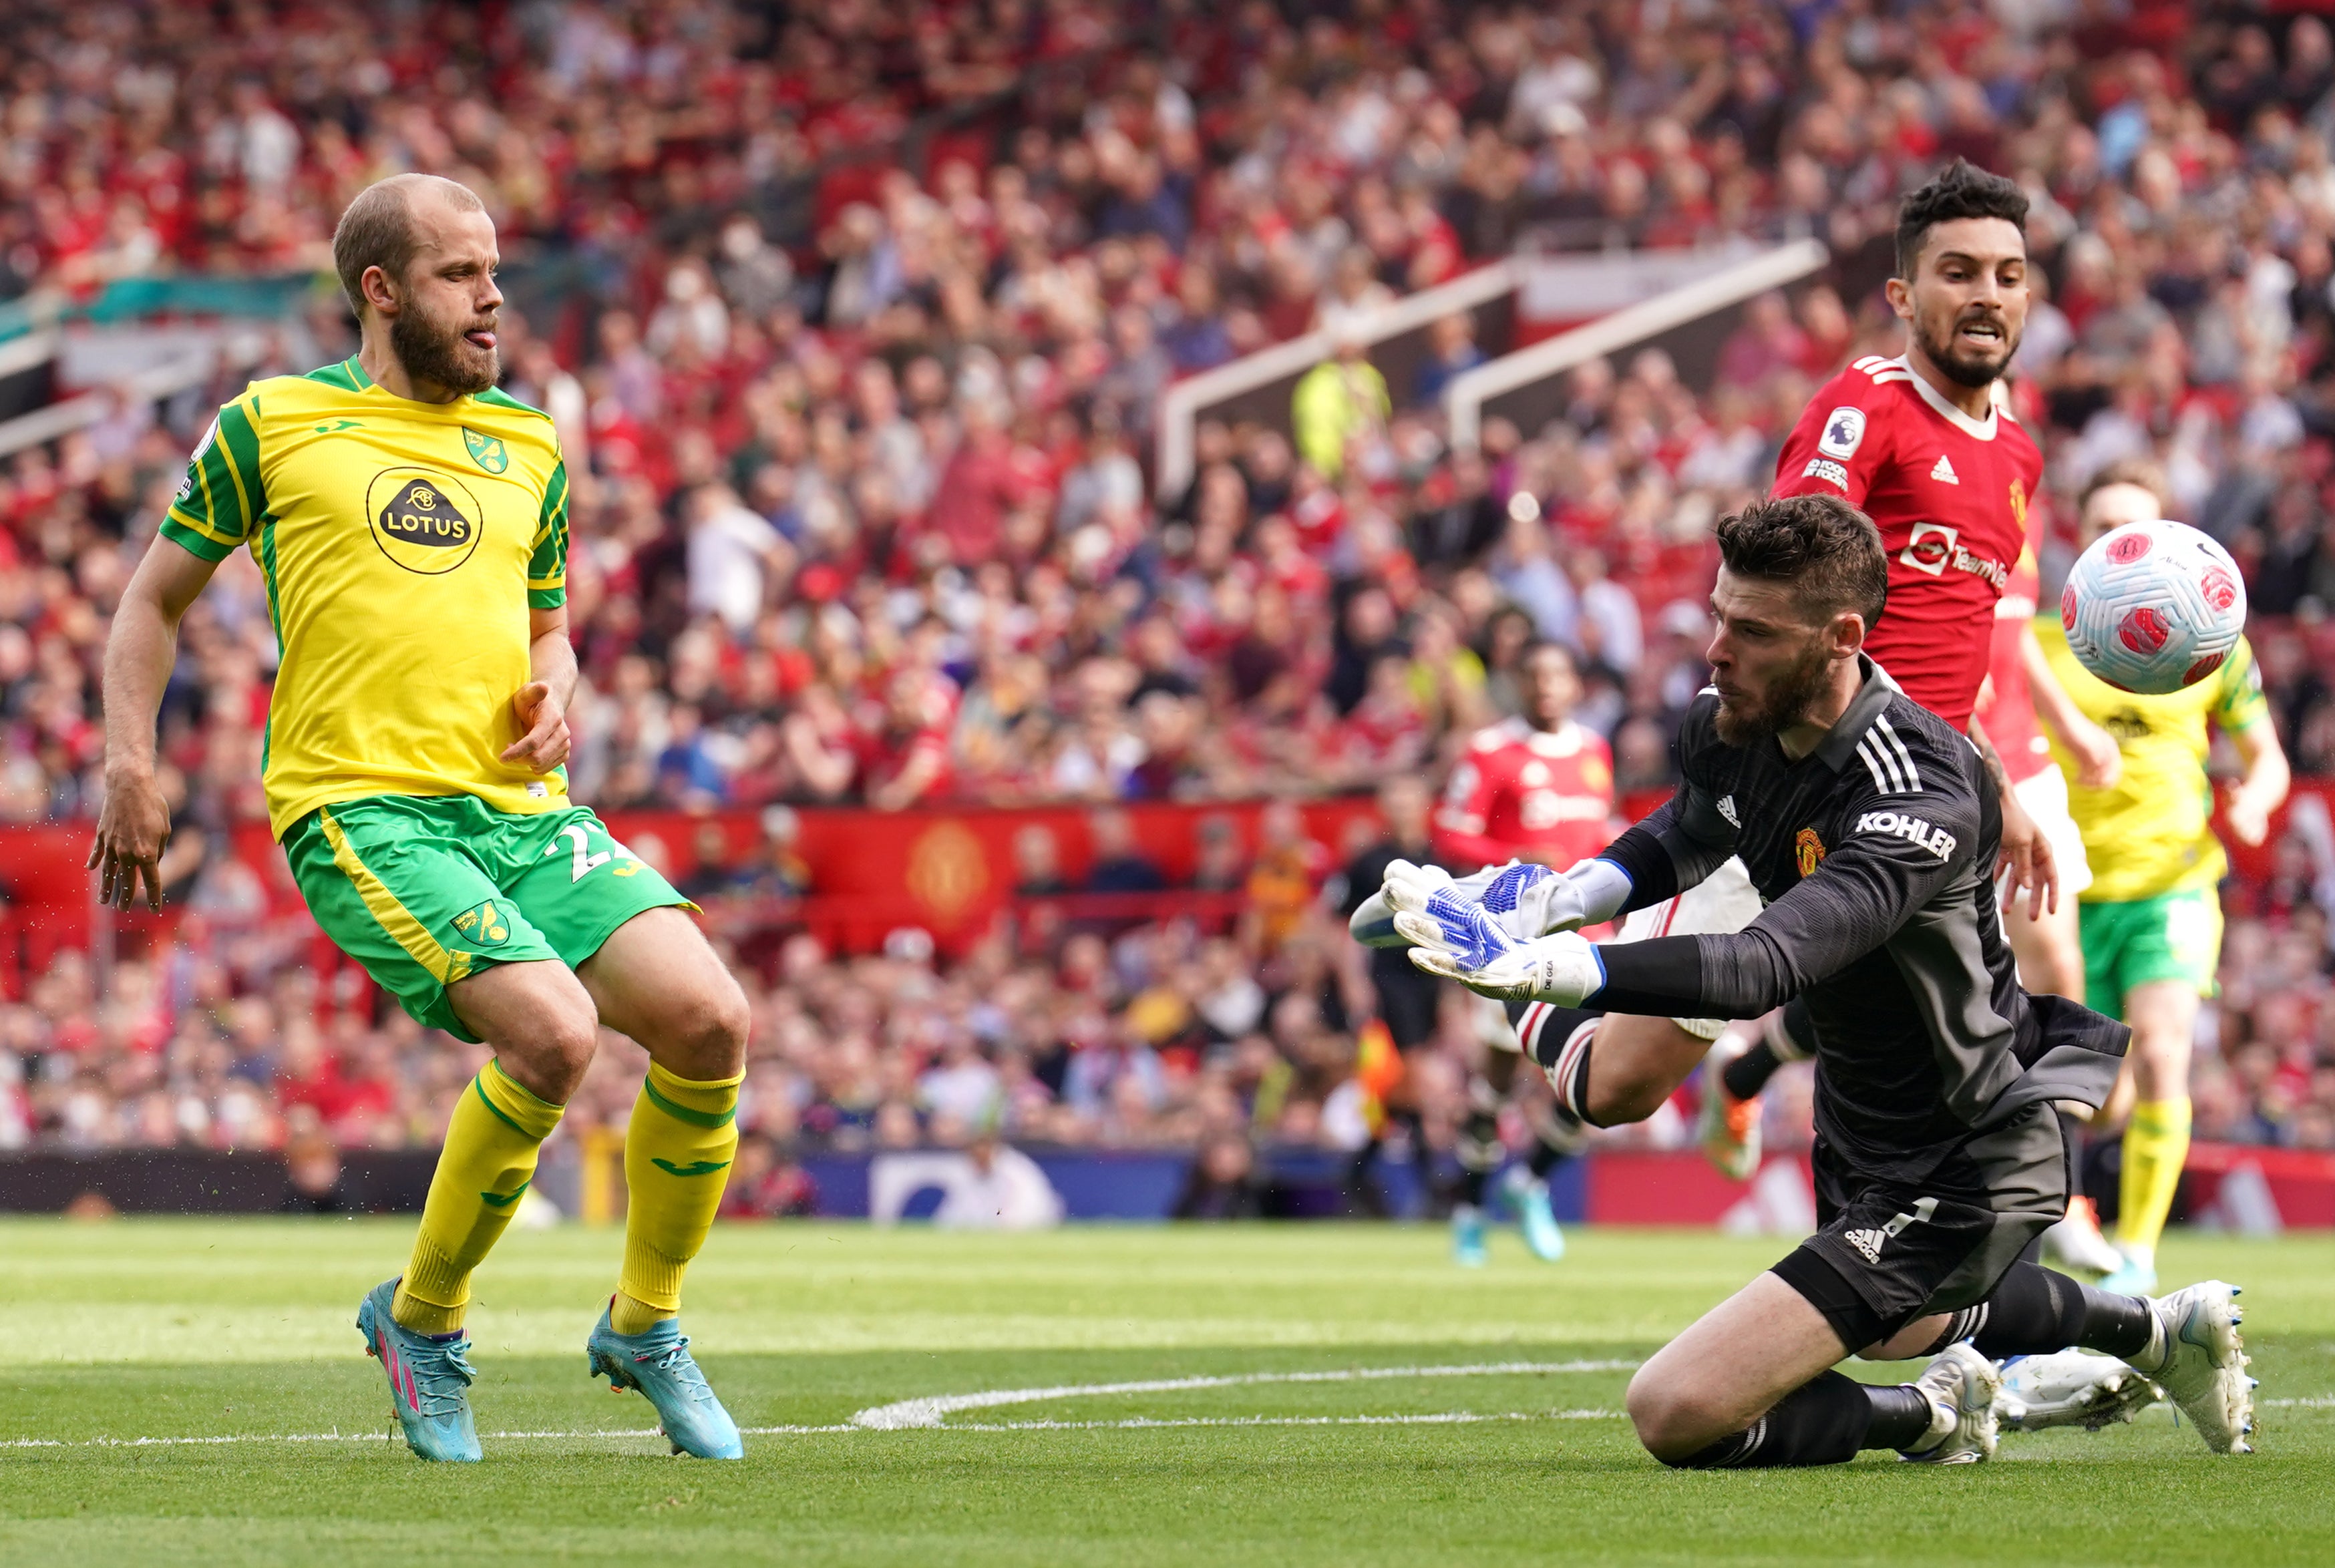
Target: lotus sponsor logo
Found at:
x=425, y=521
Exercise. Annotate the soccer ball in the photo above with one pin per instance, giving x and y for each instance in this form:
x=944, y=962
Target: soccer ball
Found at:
x=2152, y=607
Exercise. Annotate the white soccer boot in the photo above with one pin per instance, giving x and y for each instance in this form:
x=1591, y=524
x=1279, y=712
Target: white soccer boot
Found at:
x=2204, y=1370
x=2070, y=1388
x=1963, y=1387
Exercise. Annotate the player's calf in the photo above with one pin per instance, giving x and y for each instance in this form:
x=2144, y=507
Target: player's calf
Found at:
x=1751, y=1386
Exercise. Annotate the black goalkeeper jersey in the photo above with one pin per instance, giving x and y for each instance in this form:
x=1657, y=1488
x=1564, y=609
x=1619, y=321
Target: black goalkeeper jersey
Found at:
x=1874, y=855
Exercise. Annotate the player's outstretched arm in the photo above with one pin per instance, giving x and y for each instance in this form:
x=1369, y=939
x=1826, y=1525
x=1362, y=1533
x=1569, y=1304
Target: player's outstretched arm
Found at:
x=1891, y=864
x=1852, y=904
x=134, y=823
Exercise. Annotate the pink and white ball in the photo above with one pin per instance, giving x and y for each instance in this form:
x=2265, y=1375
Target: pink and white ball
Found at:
x=2153, y=607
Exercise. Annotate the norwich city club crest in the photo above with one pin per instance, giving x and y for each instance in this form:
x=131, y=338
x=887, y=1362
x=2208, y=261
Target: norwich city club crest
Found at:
x=488, y=451
x=486, y=924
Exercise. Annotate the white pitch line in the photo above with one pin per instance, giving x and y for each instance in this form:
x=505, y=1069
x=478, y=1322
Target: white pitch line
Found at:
x=924, y=1414
x=928, y=1411
x=1143, y=1423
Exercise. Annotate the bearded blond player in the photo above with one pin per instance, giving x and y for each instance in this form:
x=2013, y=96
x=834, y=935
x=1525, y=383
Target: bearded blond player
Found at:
x=412, y=524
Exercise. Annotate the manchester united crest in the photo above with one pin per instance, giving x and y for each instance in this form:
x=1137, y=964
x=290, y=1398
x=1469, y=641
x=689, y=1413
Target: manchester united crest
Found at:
x=1810, y=850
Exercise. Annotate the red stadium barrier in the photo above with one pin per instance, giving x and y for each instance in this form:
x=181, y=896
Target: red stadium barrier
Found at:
x=1680, y=1187
x=2228, y=1186
x=2241, y=1187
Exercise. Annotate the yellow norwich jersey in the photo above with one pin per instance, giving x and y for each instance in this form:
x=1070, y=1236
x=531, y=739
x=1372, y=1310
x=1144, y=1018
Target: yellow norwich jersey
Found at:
x=2150, y=832
x=402, y=543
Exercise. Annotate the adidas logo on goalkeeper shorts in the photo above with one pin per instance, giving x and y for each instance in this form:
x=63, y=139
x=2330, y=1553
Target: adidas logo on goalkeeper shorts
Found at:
x=1866, y=1241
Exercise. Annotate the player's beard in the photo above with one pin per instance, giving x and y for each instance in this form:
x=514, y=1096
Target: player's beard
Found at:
x=1794, y=691
x=436, y=351
x=1961, y=369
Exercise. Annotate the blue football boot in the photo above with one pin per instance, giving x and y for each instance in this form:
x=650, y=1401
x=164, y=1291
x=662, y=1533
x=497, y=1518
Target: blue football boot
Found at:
x=658, y=1364
x=1467, y=1237
x=1542, y=1235
x=429, y=1379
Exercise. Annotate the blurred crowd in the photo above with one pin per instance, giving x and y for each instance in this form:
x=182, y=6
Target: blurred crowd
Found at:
x=1248, y=1016
x=856, y=323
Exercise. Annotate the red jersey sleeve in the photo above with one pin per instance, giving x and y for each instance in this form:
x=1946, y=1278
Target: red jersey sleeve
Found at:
x=1841, y=441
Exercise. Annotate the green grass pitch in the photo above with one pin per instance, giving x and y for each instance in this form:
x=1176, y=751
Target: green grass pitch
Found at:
x=1346, y=1396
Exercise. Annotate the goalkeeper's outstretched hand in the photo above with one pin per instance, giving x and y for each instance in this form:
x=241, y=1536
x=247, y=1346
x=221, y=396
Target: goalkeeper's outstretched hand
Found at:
x=1458, y=942
x=1520, y=900
x=1372, y=925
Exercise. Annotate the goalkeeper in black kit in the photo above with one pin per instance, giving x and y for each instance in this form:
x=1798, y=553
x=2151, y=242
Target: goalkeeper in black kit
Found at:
x=1870, y=829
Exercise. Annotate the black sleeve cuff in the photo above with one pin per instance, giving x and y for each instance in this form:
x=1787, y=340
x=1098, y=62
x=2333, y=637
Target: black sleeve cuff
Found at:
x=1654, y=877
x=1661, y=977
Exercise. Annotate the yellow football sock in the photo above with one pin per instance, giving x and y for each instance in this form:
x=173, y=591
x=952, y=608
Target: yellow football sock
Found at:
x=487, y=1163
x=2156, y=1144
x=677, y=1152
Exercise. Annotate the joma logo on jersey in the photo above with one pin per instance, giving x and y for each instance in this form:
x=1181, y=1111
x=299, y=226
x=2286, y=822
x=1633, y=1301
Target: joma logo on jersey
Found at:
x=427, y=522
x=1912, y=829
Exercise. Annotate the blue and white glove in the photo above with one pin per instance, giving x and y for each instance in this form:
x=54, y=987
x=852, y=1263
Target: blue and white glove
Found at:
x=1524, y=900
x=1456, y=940
x=1590, y=893
x=1442, y=919
x=1372, y=925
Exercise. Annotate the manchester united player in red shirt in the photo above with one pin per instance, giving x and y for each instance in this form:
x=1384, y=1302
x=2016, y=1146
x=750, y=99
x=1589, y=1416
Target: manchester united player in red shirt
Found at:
x=1537, y=787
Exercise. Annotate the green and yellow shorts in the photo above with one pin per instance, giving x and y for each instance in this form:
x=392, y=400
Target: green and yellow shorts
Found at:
x=2174, y=935
x=426, y=890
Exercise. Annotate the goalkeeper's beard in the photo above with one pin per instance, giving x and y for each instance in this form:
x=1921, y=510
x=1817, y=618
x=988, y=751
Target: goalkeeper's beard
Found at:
x=435, y=353
x=1794, y=691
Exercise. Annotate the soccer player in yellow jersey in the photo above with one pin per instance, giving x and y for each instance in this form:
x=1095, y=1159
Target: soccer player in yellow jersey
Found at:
x=2152, y=917
x=412, y=524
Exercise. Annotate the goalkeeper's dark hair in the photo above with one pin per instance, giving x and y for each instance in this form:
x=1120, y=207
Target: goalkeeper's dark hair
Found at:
x=377, y=229
x=1825, y=548
x=1959, y=191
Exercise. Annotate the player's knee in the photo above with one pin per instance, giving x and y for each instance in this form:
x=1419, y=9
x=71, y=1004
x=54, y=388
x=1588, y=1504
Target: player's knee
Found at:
x=707, y=1032
x=1627, y=1089
x=1670, y=1424
x=555, y=1039
x=1622, y=1097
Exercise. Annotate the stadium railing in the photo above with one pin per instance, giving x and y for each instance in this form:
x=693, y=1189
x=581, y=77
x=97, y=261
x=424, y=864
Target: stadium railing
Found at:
x=1691, y=322
x=1258, y=386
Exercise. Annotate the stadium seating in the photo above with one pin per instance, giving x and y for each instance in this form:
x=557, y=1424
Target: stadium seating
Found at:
x=856, y=326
